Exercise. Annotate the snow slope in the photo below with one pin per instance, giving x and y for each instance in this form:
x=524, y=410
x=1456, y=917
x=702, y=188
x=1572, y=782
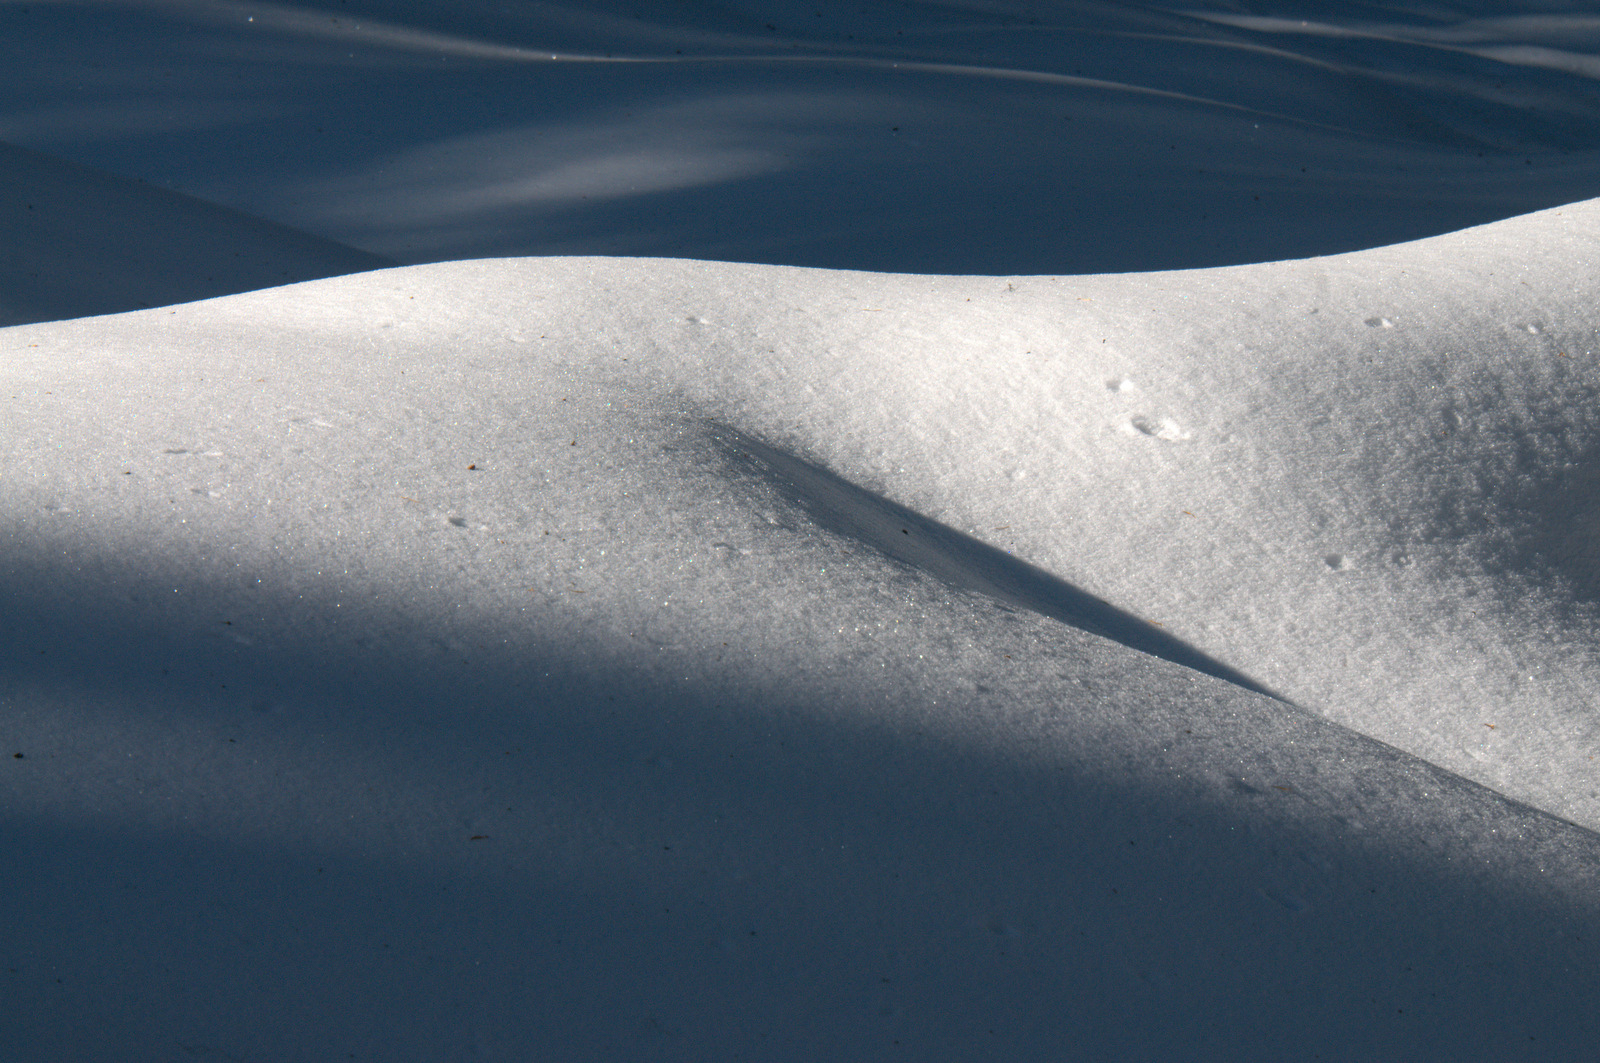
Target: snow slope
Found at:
x=589, y=657
x=652, y=658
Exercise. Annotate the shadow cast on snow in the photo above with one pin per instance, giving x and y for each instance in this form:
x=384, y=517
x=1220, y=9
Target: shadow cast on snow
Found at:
x=1108, y=139
x=75, y=242
x=565, y=853
x=960, y=560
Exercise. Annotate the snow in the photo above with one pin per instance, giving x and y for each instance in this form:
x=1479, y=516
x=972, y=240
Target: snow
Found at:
x=583, y=655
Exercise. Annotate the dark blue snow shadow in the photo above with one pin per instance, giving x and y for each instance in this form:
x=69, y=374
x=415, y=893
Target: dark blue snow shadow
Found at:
x=905, y=138
x=75, y=242
x=629, y=866
x=959, y=559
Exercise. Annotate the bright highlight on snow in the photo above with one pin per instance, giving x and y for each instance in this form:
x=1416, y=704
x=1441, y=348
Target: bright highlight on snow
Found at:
x=581, y=655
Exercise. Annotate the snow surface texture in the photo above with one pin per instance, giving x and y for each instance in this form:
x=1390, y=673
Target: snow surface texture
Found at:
x=555, y=615
x=618, y=658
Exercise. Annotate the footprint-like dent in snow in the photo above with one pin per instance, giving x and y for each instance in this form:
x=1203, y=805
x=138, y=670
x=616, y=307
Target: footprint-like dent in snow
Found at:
x=459, y=522
x=1338, y=562
x=1160, y=428
x=1379, y=322
x=1121, y=385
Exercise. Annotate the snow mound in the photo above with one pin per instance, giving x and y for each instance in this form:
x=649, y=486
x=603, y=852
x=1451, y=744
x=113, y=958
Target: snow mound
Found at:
x=659, y=658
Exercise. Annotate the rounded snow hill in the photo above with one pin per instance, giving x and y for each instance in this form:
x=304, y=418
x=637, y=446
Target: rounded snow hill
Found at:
x=662, y=659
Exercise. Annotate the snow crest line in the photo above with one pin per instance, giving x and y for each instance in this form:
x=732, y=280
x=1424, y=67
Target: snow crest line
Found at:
x=958, y=559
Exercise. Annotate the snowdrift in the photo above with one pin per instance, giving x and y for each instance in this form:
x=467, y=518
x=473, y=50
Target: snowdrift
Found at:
x=648, y=658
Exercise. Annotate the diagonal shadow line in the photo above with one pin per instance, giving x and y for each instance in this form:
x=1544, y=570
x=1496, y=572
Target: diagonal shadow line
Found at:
x=961, y=560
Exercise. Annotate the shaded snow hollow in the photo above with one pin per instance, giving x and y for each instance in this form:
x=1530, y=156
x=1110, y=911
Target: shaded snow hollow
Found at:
x=667, y=659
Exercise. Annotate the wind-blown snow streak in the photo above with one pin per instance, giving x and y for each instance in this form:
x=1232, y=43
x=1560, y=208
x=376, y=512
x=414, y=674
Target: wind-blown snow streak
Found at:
x=961, y=560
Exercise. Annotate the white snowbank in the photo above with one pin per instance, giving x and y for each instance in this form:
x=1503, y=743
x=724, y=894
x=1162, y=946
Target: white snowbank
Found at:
x=590, y=657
